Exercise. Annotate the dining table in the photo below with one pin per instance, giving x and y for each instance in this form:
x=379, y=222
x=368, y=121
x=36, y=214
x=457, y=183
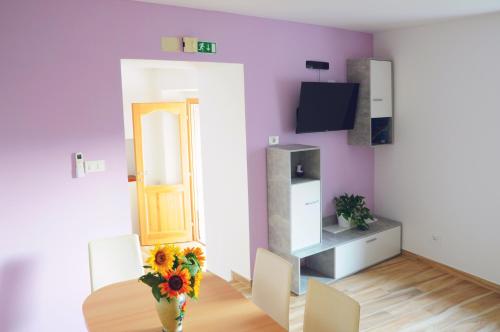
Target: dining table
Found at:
x=129, y=306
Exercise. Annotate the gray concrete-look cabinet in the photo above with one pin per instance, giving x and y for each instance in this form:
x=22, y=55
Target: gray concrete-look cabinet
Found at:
x=374, y=116
x=294, y=203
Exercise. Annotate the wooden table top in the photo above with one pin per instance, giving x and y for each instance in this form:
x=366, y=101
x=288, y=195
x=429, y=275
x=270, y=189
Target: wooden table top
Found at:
x=129, y=306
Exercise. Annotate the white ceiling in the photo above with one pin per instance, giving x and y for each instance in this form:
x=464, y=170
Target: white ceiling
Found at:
x=361, y=15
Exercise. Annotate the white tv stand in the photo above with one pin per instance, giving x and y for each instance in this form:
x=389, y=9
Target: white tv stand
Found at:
x=342, y=254
x=296, y=228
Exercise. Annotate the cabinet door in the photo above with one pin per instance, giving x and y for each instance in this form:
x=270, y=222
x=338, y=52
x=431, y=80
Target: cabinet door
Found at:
x=350, y=257
x=381, y=89
x=305, y=215
x=357, y=255
x=383, y=245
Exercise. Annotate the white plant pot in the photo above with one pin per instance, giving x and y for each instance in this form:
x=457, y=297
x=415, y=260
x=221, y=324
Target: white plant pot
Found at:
x=343, y=222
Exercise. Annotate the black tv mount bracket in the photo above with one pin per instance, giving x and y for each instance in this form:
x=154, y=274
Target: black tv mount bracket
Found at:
x=318, y=65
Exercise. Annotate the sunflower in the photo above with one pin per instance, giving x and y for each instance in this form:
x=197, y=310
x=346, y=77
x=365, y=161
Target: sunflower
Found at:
x=177, y=282
x=161, y=259
x=197, y=282
x=197, y=253
x=177, y=253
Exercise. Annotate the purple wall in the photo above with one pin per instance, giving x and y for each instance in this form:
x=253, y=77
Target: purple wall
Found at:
x=60, y=92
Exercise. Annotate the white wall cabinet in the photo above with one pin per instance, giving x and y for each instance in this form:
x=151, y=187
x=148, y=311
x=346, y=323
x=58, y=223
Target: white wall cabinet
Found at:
x=380, y=89
x=374, y=120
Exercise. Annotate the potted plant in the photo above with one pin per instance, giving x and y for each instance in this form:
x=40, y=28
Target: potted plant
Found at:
x=352, y=212
x=174, y=274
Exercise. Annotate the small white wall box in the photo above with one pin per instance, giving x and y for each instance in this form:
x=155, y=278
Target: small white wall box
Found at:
x=170, y=44
x=190, y=44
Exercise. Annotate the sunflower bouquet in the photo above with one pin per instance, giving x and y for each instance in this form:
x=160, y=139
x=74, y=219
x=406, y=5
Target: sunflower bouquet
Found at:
x=172, y=275
x=174, y=272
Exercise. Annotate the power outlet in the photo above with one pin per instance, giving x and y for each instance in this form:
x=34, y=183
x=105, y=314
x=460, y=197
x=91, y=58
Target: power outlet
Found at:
x=274, y=140
x=436, y=239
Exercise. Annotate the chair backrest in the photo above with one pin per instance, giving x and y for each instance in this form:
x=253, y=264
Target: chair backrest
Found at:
x=272, y=277
x=115, y=259
x=329, y=310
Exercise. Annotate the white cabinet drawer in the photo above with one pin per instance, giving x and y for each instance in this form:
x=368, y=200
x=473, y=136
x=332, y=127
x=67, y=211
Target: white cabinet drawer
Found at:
x=381, y=88
x=305, y=214
x=357, y=255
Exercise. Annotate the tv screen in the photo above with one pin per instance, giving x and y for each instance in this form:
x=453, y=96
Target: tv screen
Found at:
x=326, y=106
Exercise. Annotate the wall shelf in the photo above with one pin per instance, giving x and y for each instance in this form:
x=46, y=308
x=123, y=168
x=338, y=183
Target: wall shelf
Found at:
x=306, y=273
x=302, y=180
x=374, y=115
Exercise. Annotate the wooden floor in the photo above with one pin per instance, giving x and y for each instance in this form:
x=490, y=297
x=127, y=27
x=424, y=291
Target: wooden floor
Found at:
x=404, y=294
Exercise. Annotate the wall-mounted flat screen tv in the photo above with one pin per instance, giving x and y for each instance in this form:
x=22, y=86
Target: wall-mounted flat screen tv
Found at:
x=326, y=106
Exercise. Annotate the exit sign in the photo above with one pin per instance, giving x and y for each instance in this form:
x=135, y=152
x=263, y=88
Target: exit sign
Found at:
x=206, y=47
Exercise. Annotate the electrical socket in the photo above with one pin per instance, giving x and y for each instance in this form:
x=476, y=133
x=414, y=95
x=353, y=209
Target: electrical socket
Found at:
x=436, y=239
x=274, y=140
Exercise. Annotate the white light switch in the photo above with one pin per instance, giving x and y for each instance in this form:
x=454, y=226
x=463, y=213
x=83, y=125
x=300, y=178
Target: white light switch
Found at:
x=92, y=166
x=101, y=165
x=274, y=140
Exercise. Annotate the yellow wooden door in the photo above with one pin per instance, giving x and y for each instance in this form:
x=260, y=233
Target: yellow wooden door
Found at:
x=161, y=144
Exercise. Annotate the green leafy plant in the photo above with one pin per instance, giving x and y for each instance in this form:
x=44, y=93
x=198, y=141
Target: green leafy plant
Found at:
x=353, y=208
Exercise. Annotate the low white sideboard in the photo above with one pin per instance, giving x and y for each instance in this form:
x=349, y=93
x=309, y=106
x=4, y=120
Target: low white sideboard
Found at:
x=342, y=254
x=358, y=254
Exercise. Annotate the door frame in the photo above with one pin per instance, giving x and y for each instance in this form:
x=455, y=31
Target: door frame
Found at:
x=194, y=198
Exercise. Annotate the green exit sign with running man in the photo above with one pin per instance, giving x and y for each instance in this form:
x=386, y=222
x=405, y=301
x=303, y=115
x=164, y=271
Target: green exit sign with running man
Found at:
x=206, y=47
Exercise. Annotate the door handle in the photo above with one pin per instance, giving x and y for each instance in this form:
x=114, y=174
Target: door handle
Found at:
x=377, y=99
x=371, y=240
x=313, y=202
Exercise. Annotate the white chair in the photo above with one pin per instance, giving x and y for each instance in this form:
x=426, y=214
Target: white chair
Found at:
x=329, y=310
x=272, y=277
x=115, y=259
